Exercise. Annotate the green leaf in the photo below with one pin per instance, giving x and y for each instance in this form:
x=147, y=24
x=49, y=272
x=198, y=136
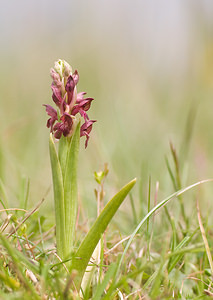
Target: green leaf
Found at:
x=174, y=260
x=58, y=198
x=85, y=250
x=71, y=189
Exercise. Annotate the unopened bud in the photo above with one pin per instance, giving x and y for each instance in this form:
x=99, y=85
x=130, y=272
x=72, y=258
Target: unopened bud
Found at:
x=62, y=68
x=67, y=69
x=59, y=67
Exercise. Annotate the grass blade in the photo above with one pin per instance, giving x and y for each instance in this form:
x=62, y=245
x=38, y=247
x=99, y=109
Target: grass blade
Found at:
x=205, y=241
x=102, y=286
x=3, y=194
x=172, y=263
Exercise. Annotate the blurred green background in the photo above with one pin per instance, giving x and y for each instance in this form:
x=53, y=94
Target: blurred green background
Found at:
x=149, y=66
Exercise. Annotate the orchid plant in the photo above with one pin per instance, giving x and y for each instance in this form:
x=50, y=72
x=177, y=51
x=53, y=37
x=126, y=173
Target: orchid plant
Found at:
x=66, y=130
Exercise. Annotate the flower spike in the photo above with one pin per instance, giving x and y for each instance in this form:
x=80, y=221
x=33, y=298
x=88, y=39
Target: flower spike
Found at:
x=69, y=102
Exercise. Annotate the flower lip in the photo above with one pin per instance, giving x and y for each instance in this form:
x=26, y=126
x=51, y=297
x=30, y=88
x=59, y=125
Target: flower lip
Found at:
x=82, y=107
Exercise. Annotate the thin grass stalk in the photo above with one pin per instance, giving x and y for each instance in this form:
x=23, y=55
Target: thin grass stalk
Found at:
x=3, y=194
x=149, y=201
x=202, y=230
x=153, y=218
x=178, y=182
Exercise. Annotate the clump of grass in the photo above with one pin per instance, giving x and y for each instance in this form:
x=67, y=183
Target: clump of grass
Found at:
x=173, y=264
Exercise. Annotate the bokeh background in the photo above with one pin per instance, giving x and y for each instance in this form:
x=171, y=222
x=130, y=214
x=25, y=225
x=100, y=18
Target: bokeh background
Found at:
x=149, y=66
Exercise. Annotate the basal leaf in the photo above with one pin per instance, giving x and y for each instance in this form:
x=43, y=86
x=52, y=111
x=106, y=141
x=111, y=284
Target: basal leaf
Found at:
x=71, y=189
x=63, y=148
x=85, y=250
x=58, y=198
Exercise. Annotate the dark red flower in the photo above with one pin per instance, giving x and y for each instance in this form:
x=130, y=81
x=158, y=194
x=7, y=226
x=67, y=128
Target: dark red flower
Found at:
x=53, y=116
x=82, y=107
x=64, y=127
x=86, y=129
